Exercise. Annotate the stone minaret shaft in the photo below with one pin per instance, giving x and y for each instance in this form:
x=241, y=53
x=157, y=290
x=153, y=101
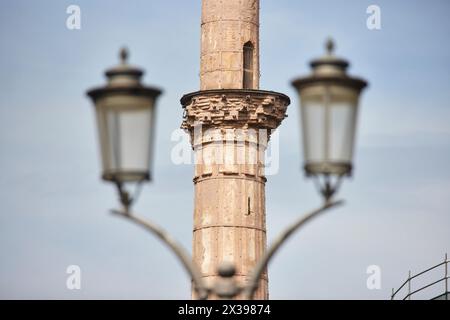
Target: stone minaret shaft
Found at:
x=230, y=121
x=230, y=44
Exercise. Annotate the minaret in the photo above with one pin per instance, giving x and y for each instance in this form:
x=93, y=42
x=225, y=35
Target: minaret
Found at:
x=230, y=122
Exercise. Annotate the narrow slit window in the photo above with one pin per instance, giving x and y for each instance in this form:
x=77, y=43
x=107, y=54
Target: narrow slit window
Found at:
x=248, y=65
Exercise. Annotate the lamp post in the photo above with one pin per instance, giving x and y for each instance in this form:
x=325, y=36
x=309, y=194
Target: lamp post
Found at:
x=125, y=116
x=329, y=107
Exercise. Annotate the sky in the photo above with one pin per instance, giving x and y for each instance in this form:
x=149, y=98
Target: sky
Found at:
x=55, y=208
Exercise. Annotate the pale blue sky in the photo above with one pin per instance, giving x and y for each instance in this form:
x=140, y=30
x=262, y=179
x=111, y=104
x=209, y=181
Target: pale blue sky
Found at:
x=54, y=210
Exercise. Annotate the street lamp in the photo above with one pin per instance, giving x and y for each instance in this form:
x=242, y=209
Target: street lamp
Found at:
x=125, y=111
x=329, y=107
x=125, y=116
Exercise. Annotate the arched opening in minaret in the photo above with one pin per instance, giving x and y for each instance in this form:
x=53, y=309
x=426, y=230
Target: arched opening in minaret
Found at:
x=248, y=66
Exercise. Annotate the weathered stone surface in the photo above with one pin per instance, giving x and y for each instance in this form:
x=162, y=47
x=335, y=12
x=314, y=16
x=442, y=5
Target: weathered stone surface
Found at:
x=229, y=216
x=229, y=133
x=234, y=109
x=226, y=26
x=229, y=129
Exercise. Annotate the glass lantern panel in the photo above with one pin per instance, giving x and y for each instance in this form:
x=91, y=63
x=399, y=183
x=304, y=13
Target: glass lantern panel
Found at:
x=125, y=125
x=104, y=139
x=313, y=124
x=342, y=130
x=328, y=121
x=135, y=140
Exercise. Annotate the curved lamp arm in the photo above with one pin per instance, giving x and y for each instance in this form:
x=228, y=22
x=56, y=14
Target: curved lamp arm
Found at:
x=182, y=255
x=252, y=285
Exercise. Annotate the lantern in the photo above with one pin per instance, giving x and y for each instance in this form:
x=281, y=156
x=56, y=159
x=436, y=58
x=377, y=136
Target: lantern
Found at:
x=329, y=107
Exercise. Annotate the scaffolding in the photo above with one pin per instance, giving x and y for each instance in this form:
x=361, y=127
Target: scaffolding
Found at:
x=408, y=283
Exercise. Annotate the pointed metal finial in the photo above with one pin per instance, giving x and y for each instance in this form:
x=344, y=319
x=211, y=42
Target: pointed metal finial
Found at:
x=123, y=55
x=329, y=45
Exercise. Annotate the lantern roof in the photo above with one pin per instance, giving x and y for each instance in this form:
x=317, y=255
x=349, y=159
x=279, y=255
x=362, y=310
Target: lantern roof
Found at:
x=330, y=60
x=330, y=69
x=123, y=69
x=124, y=78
